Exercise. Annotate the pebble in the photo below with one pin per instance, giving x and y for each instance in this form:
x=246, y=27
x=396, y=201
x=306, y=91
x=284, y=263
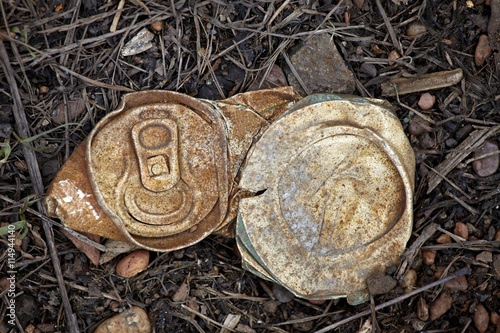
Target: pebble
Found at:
x=494, y=318
x=133, y=320
x=380, y=284
x=428, y=256
x=4, y=32
x=320, y=67
x=422, y=309
x=409, y=280
x=485, y=256
x=74, y=109
x=426, y=101
x=182, y=293
x=359, y=3
x=483, y=50
x=481, y=318
x=393, y=55
x=486, y=166
x=271, y=306
x=282, y=294
x=457, y=284
x=418, y=126
x=157, y=26
x=461, y=230
x=44, y=90
x=440, y=306
x=134, y=263
x=443, y=239
x=416, y=30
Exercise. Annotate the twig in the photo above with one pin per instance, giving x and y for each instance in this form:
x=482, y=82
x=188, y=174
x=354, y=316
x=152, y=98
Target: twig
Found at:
x=210, y=320
x=22, y=127
x=80, y=288
x=389, y=27
x=412, y=252
x=461, y=272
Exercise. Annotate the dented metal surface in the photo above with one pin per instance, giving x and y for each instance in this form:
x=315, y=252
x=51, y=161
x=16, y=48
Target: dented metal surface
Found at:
x=336, y=181
x=160, y=170
x=321, y=187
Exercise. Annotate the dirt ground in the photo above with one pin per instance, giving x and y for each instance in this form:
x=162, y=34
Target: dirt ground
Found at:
x=62, y=71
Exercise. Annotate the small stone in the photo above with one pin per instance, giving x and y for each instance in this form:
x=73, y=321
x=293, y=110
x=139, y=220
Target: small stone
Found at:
x=457, y=284
x=483, y=50
x=443, y=239
x=485, y=256
x=133, y=263
x=488, y=165
x=497, y=236
x=133, y=320
x=440, y=306
x=426, y=101
x=422, y=309
x=359, y=3
x=271, y=306
x=393, y=55
x=418, y=126
x=182, y=293
x=368, y=69
x=44, y=90
x=409, y=280
x=29, y=329
x=494, y=318
x=281, y=293
x=415, y=30
x=428, y=256
x=157, y=25
x=4, y=34
x=461, y=230
x=481, y=318
x=46, y=327
x=380, y=284
x=320, y=67
x=74, y=109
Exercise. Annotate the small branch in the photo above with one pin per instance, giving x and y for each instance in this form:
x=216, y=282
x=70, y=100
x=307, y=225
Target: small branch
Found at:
x=22, y=127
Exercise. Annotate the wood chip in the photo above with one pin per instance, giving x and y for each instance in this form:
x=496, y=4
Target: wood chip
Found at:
x=424, y=82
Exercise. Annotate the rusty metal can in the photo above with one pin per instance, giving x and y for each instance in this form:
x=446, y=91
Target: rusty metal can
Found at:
x=160, y=170
x=334, y=179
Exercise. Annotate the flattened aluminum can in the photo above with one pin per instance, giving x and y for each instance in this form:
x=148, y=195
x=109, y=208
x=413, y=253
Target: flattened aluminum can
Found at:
x=160, y=170
x=334, y=179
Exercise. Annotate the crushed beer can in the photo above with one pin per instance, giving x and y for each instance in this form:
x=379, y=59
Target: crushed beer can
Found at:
x=334, y=178
x=160, y=170
x=322, y=187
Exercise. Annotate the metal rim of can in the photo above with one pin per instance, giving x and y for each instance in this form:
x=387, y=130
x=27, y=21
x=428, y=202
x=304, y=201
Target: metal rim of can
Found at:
x=177, y=237
x=264, y=239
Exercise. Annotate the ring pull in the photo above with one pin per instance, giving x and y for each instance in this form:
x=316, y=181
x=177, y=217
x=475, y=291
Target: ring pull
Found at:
x=156, y=145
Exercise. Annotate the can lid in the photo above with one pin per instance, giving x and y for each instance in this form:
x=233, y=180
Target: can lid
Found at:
x=159, y=168
x=334, y=177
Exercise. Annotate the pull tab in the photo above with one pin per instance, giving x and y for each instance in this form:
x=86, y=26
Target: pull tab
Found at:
x=156, y=145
